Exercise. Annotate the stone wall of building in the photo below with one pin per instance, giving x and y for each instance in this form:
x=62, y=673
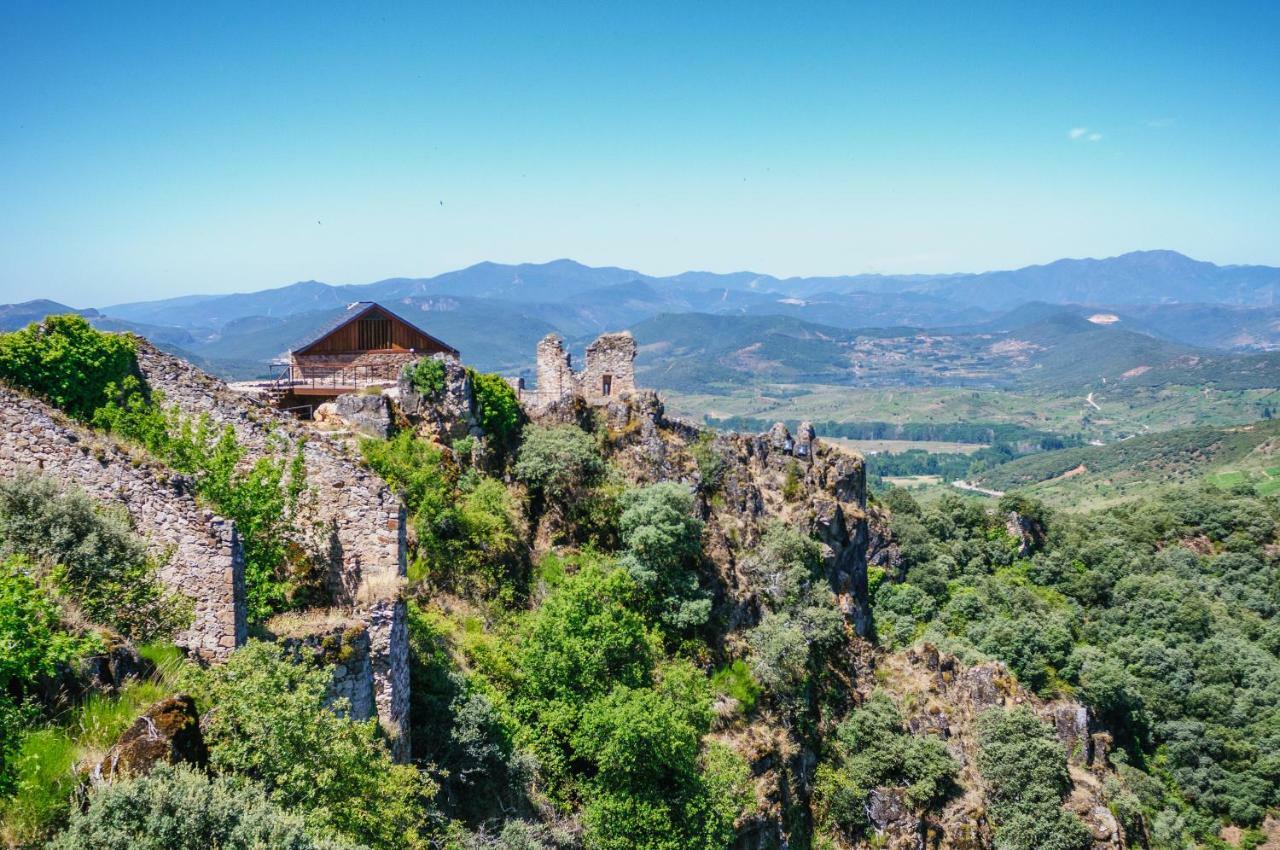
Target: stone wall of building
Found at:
x=200, y=553
x=350, y=520
x=610, y=369
x=608, y=374
x=345, y=651
x=388, y=624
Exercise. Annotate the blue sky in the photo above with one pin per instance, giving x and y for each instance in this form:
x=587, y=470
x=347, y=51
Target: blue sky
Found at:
x=153, y=150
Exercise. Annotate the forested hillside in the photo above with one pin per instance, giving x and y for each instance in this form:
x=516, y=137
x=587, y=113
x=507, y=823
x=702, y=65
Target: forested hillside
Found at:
x=623, y=631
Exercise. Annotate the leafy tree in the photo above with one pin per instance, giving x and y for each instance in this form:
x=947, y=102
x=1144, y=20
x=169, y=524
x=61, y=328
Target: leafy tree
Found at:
x=649, y=788
x=663, y=541
x=871, y=749
x=66, y=360
x=800, y=623
x=271, y=724
x=558, y=462
x=179, y=808
x=584, y=639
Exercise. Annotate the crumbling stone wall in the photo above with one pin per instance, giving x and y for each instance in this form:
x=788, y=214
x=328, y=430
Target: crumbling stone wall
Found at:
x=354, y=522
x=609, y=372
x=200, y=552
x=351, y=519
x=345, y=651
x=388, y=624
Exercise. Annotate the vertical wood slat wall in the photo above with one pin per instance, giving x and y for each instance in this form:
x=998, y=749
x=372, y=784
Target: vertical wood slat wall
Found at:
x=373, y=332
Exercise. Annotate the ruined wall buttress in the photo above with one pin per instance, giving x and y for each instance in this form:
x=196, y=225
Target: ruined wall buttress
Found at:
x=200, y=553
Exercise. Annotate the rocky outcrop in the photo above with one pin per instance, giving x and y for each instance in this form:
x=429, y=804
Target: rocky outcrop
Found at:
x=365, y=413
x=447, y=415
x=199, y=553
x=949, y=697
x=167, y=733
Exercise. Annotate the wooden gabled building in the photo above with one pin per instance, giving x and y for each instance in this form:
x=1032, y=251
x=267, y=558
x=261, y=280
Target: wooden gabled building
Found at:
x=366, y=344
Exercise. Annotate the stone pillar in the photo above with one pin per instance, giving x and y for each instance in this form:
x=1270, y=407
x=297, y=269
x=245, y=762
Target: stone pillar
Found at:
x=388, y=627
x=554, y=372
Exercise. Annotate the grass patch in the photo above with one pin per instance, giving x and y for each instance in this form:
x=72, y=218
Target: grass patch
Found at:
x=735, y=680
x=52, y=754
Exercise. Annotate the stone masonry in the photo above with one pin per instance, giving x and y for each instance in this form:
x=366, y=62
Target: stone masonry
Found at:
x=352, y=520
x=199, y=552
x=609, y=373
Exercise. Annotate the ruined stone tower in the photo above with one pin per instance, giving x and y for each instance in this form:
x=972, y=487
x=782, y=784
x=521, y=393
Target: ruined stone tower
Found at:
x=608, y=374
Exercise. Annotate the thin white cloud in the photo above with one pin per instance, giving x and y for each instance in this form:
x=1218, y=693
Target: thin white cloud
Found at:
x=1095, y=137
x=1076, y=132
x=1160, y=123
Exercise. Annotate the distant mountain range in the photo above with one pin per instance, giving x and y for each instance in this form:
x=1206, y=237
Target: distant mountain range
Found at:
x=1155, y=305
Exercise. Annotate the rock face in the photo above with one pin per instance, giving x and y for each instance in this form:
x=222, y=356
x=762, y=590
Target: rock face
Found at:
x=365, y=414
x=201, y=554
x=169, y=733
x=450, y=414
x=949, y=698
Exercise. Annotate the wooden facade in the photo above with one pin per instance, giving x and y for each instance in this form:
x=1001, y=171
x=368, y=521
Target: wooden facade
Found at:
x=373, y=328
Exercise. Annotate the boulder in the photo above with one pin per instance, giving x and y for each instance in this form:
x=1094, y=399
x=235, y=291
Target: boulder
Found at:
x=168, y=732
x=366, y=414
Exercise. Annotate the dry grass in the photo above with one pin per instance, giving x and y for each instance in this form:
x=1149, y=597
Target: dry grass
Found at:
x=381, y=587
x=293, y=624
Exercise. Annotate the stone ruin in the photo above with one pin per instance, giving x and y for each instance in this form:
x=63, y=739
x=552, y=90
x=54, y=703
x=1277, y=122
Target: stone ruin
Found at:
x=352, y=523
x=608, y=375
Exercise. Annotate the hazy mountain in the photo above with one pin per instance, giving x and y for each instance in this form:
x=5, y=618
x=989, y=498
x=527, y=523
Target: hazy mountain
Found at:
x=14, y=316
x=1143, y=277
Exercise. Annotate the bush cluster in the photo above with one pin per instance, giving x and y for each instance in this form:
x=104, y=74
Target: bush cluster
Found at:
x=1161, y=614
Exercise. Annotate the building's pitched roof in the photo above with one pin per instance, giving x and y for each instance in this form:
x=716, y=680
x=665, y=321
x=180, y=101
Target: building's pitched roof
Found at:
x=354, y=311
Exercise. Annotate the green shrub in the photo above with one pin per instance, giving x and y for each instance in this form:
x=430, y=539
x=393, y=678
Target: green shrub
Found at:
x=711, y=464
x=270, y=723
x=93, y=557
x=467, y=538
x=871, y=750
x=663, y=541
x=426, y=376
x=558, y=462
x=32, y=644
x=496, y=407
x=178, y=808
x=68, y=362
x=1026, y=773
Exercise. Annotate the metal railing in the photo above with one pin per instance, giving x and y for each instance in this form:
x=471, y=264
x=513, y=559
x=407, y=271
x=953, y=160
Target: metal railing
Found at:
x=291, y=376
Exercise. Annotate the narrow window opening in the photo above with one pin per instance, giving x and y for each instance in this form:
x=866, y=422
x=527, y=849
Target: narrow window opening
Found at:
x=606, y=385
